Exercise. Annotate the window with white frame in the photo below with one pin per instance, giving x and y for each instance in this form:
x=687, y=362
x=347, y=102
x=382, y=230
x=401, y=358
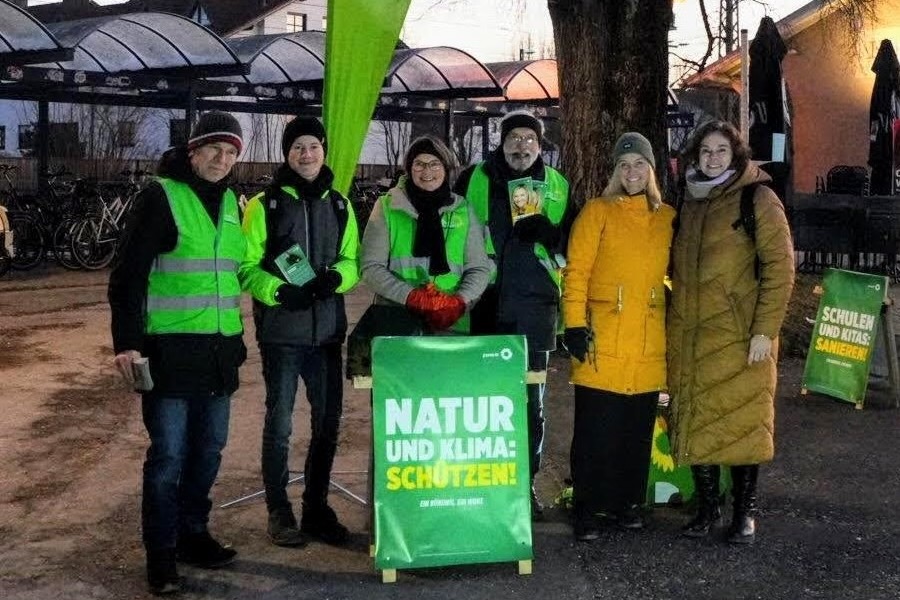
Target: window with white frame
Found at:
x=295, y=22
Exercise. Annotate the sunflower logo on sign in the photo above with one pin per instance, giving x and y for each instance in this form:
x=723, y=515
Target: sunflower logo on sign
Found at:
x=661, y=452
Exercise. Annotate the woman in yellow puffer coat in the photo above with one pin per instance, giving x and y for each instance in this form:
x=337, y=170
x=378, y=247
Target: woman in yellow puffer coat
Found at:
x=729, y=297
x=614, y=310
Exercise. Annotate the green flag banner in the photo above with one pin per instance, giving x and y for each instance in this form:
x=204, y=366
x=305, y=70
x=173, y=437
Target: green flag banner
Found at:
x=840, y=351
x=359, y=44
x=450, y=436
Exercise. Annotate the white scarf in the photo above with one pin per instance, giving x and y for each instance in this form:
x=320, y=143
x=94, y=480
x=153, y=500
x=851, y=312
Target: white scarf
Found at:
x=699, y=187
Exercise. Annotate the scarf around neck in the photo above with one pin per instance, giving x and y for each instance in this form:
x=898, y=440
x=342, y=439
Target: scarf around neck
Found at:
x=429, y=240
x=699, y=185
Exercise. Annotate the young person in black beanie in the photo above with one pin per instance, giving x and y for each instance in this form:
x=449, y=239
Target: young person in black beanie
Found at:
x=524, y=293
x=412, y=255
x=170, y=307
x=301, y=325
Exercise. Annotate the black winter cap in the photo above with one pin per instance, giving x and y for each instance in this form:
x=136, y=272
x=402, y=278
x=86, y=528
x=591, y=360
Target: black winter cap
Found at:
x=302, y=126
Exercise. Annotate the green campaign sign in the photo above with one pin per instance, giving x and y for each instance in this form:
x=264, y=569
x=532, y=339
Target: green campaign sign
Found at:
x=450, y=436
x=840, y=351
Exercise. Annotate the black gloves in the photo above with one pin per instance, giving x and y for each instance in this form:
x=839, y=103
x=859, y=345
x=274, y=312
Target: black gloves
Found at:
x=325, y=284
x=295, y=297
x=576, y=340
x=536, y=228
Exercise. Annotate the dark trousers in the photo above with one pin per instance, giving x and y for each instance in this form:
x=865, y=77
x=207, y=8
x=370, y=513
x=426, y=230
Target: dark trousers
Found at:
x=537, y=361
x=187, y=436
x=611, y=447
x=320, y=369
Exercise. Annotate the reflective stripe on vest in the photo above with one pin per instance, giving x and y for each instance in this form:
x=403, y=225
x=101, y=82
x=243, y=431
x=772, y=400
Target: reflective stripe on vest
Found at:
x=556, y=195
x=194, y=288
x=414, y=269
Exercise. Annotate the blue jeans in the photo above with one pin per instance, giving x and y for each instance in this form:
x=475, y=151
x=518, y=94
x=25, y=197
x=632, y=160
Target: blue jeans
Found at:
x=320, y=369
x=187, y=436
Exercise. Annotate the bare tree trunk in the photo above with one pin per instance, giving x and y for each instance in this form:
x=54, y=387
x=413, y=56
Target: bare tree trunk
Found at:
x=613, y=66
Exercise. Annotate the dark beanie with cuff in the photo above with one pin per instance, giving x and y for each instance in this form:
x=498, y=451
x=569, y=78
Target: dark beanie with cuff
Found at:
x=216, y=126
x=302, y=126
x=521, y=118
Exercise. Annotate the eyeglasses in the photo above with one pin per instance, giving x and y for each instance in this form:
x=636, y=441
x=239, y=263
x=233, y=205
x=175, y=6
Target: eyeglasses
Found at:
x=523, y=139
x=431, y=166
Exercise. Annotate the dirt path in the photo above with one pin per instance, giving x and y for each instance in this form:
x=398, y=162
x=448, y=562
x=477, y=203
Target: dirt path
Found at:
x=72, y=444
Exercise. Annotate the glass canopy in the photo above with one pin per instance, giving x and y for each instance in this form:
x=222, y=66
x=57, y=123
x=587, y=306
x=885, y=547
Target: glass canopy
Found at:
x=527, y=80
x=23, y=39
x=440, y=71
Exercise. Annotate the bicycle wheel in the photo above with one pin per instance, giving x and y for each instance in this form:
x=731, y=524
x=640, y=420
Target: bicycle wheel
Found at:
x=92, y=247
x=28, y=242
x=62, y=245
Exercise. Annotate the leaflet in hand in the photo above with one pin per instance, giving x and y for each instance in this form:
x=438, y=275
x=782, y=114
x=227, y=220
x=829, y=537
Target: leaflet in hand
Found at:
x=140, y=368
x=294, y=266
x=526, y=197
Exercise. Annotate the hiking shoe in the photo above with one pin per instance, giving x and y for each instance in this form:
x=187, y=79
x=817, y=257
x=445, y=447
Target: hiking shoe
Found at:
x=201, y=550
x=283, y=531
x=323, y=524
x=162, y=573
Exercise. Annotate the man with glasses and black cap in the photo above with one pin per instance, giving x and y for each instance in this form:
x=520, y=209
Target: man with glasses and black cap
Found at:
x=175, y=302
x=524, y=294
x=302, y=257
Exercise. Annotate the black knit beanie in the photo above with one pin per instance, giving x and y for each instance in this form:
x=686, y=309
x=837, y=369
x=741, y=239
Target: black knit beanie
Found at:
x=521, y=118
x=216, y=126
x=302, y=126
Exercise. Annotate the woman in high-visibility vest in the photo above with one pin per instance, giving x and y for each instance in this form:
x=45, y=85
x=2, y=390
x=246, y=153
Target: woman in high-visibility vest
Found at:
x=423, y=248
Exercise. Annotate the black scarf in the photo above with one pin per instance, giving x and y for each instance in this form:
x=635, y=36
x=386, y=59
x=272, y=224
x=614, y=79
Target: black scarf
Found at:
x=429, y=233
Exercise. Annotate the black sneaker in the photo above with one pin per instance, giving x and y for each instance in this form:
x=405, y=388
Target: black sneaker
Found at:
x=162, y=574
x=322, y=523
x=283, y=531
x=631, y=518
x=537, y=509
x=201, y=550
x=586, y=529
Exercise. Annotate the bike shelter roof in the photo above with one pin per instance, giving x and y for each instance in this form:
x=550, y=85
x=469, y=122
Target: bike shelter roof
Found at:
x=23, y=39
x=146, y=42
x=440, y=71
x=528, y=80
x=281, y=58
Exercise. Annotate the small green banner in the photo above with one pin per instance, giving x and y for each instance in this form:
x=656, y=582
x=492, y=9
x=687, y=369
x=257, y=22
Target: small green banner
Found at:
x=840, y=351
x=667, y=482
x=450, y=436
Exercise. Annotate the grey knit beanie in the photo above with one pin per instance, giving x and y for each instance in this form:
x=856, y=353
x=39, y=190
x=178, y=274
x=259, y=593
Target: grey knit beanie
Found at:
x=634, y=142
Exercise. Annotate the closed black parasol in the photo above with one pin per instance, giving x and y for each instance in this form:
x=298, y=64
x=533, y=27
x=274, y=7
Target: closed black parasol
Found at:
x=883, y=109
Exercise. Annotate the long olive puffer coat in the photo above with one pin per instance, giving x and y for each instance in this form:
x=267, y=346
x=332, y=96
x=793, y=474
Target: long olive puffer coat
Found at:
x=722, y=409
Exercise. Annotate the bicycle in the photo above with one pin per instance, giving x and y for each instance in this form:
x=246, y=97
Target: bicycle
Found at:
x=96, y=237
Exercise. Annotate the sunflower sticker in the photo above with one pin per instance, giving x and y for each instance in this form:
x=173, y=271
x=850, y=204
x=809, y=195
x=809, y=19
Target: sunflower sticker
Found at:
x=667, y=483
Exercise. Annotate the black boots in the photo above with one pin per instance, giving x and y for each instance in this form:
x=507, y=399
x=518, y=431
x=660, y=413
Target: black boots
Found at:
x=162, y=574
x=709, y=513
x=743, y=488
x=322, y=523
x=201, y=550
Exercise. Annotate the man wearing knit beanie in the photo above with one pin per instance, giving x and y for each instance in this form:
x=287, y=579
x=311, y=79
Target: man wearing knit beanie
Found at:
x=523, y=298
x=183, y=323
x=301, y=323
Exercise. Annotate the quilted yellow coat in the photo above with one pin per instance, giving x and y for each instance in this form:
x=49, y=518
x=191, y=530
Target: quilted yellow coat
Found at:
x=722, y=409
x=617, y=259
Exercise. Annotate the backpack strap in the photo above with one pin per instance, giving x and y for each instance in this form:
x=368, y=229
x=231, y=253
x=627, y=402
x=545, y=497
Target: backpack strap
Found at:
x=747, y=217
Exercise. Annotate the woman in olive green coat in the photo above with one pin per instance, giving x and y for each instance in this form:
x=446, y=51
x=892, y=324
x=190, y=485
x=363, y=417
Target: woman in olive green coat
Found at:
x=729, y=297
